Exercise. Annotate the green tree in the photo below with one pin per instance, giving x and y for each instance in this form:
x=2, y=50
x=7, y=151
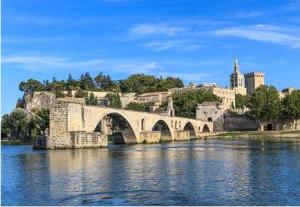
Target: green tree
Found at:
x=80, y=94
x=57, y=85
x=168, y=83
x=138, y=106
x=291, y=106
x=185, y=103
x=86, y=82
x=241, y=101
x=41, y=120
x=20, y=103
x=91, y=100
x=30, y=86
x=69, y=93
x=139, y=83
x=6, y=126
x=105, y=83
x=19, y=124
x=71, y=84
x=114, y=100
x=59, y=94
x=265, y=105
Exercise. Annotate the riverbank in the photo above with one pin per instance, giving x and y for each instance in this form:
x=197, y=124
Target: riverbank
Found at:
x=294, y=134
x=13, y=142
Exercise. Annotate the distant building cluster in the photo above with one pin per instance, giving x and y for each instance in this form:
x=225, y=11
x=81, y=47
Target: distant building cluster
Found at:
x=239, y=84
x=245, y=84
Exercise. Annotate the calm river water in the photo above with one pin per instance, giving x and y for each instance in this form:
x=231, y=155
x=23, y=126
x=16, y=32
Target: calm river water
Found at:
x=210, y=172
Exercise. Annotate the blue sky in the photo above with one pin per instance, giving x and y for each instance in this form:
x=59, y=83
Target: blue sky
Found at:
x=195, y=40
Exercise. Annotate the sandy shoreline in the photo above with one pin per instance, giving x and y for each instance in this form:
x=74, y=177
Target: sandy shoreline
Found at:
x=293, y=134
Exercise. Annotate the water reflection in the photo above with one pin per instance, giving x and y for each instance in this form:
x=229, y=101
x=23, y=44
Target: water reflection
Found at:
x=209, y=172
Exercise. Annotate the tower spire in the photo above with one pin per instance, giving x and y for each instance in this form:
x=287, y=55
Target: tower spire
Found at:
x=236, y=65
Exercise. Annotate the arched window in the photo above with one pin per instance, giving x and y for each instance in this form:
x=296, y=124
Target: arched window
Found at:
x=171, y=112
x=175, y=124
x=143, y=125
x=209, y=119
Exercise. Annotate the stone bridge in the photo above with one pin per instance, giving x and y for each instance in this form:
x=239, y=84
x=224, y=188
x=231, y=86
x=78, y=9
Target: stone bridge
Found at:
x=74, y=125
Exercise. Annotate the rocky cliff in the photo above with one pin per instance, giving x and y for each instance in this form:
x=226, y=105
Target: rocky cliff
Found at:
x=38, y=100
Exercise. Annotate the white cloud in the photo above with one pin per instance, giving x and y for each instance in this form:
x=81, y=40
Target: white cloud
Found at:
x=128, y=66
x=197, y=77
x=177, y=45
x=153, y=29
x=111, y=66
x=264, y=33
x=249, y=14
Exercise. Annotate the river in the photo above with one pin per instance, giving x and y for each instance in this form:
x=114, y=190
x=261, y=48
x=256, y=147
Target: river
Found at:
x=202, y=172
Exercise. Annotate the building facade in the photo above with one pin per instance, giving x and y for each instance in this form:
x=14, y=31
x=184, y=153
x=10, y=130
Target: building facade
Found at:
x=245, y=84
x=155, y=97
x=227, y=95
x=285, y=92
x=253, y=80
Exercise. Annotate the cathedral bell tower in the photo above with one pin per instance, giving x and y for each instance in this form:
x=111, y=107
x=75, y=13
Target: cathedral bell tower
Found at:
x=237, y=79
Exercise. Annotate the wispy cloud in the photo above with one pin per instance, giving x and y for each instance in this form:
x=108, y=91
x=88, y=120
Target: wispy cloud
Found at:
x=111, y=66
x=198, y=77
x=30, y=40
x=153, y=29
x=177, y=45
x=249, y=14
x=292, y=6
x=128, y=66
x=263, y=33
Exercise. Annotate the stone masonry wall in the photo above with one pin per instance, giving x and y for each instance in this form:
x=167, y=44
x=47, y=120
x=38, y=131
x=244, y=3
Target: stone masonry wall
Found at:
x=150, y=136
x=239, y=123
x=88, y=140
x=59, y=136
x=288, y=125
x=180, y=135
x=62, y=134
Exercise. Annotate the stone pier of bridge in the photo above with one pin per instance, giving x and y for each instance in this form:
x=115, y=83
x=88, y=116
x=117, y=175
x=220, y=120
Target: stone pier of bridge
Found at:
x=74, y=125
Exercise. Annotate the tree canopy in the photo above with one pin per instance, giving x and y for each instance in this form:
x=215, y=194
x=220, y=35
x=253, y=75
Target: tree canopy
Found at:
x=140, y=83
x=91, y=99
x=265, y=104
x=291, y=105
x=139, y=106
x=185, y=103
x=114, y=100
x=137, y=83
x=21, y=126
x=241, y=101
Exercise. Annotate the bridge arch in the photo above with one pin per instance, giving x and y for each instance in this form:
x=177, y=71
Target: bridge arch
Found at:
x=206, y=128
x=122, y=130
x=190, y=127
x=163, y=127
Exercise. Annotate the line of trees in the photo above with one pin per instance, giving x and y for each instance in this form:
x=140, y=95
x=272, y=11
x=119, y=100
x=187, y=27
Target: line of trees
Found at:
x=266, y=106
x=137, y=83
x=139, y=106
x=24, y=127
